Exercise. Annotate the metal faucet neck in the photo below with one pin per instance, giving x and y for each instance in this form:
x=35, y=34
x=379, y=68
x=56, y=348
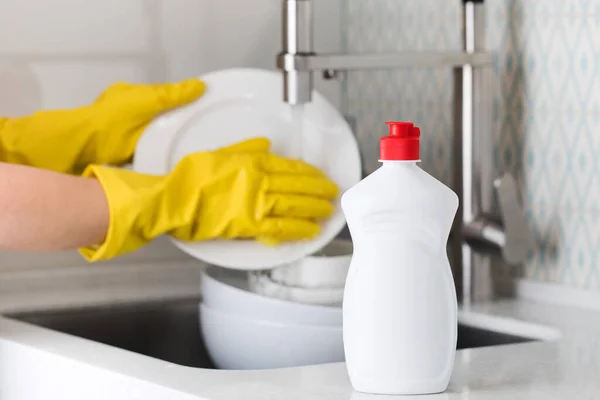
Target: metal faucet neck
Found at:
x=297, y=40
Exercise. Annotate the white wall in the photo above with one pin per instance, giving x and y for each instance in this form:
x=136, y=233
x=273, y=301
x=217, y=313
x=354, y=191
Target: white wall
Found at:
x=62, y=53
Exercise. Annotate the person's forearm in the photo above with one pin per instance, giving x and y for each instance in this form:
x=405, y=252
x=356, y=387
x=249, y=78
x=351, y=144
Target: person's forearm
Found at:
x=45, y=211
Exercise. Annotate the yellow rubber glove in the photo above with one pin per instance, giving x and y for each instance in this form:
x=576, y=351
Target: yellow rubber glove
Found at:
x=241, y=191
x=105, y=132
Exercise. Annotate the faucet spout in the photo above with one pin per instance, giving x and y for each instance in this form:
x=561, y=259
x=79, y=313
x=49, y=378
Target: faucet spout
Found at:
x=297, y=35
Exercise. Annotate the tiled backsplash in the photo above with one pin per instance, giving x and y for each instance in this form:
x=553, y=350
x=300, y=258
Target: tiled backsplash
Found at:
x=546, y=108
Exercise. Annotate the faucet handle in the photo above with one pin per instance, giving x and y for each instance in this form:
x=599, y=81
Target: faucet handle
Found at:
x=518, y=236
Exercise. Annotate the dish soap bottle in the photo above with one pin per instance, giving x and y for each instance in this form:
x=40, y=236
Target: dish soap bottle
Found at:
x=399, y=308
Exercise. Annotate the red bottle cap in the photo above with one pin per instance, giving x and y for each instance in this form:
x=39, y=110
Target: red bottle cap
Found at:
x=402, y=144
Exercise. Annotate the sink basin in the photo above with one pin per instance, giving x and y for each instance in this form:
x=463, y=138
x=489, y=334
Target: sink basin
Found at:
x=169, y=330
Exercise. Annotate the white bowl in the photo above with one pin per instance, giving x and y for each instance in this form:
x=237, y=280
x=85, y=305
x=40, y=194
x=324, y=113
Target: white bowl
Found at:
x=262, y=284
x=237, y=342
x=227, y=290
x=325, y=269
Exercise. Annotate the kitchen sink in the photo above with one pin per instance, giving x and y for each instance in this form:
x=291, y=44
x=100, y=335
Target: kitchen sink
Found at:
x=170, y=330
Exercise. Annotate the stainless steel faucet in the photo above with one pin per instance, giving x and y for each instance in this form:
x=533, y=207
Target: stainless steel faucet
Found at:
x=478, y=232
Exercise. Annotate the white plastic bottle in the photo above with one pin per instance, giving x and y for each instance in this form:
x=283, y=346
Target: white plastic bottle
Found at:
x=399, y=309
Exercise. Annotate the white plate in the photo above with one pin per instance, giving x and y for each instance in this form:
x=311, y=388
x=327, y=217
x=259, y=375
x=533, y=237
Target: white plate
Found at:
x=327, y=268
x=240, y=104
x=262, y=284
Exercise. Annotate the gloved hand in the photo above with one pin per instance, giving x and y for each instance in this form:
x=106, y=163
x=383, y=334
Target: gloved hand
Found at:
x=241, y=191
x=105, y=132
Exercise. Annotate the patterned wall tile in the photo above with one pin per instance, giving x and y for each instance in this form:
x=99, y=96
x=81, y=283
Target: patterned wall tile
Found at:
x=546, y=110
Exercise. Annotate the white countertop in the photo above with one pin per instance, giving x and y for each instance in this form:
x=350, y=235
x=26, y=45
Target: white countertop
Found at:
x=37, y=363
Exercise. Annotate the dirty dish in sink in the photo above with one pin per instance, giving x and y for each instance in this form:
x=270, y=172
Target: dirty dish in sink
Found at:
x=228, y=290
x=261, y=283
x=327, y=268
x=237, y=342
x=240, y=104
